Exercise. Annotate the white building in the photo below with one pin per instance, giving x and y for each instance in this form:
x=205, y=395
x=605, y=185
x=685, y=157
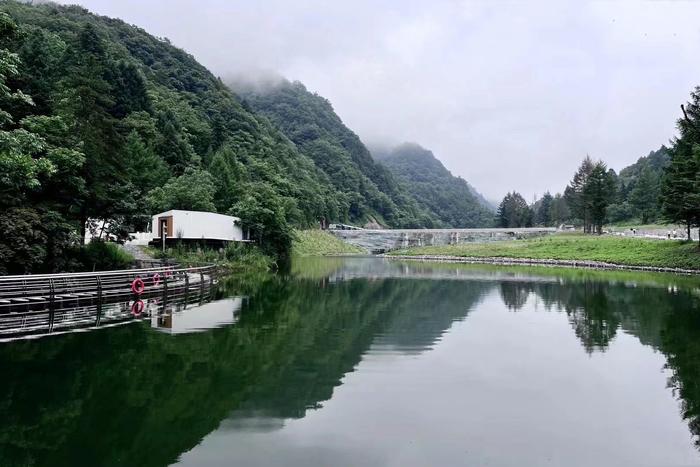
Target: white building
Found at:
x=196, y=225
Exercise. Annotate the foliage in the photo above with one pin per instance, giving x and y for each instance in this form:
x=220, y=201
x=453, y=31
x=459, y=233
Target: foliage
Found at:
x=543, y=210
x=100, y=121
x=321, y=243
x=617, y=250
x=681, y=183
x=366, y=189
x=235, y=257
x=514, y=212
x=263, y=215
x=102, y=256
x=589, y=193
x=452, y=200
x=193, y=190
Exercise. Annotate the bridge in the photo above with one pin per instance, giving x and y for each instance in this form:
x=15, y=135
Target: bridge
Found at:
x=381, y=241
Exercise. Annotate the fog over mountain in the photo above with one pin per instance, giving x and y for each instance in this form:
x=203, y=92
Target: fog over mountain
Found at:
x=508, y=95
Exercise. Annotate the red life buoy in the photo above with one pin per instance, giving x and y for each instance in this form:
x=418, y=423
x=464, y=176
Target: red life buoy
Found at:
x=137, y=286
x=156, y=279
x=137, y=308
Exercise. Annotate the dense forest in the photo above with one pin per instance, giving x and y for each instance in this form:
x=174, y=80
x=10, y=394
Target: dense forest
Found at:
x=369, y=191
x=454, y=202
x=102, y=121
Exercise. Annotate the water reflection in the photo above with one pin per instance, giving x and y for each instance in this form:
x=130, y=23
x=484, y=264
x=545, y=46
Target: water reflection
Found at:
x=135, y=395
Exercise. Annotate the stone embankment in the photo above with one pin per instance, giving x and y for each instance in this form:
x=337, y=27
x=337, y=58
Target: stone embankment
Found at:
x=542, y=262
x=381, y=241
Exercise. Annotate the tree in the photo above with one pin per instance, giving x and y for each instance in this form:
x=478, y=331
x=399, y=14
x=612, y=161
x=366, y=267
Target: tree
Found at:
x=193, y=190
x=263, y=216
x=680, y=187
x=86, y=102
x=514, y=211
x=559, y=211
x=589, y=193
x=598, y=192
x=644, y=197
x=543, y=215
x=574, y=194
x=39, y=162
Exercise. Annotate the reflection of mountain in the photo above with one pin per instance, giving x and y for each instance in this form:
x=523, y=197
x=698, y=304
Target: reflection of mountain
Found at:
x=152, y=396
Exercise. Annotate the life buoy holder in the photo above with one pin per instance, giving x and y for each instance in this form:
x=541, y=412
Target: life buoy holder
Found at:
x=137, y=308
x=137, y=286
x=156, y=279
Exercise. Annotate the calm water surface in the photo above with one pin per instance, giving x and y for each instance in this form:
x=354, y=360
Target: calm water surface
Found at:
x=365, y=362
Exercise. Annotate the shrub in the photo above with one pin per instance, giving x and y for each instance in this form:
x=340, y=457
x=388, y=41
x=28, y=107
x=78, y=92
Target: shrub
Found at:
x=104, y=256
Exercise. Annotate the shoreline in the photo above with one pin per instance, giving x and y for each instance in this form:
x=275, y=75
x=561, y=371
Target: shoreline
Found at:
x=505, y=261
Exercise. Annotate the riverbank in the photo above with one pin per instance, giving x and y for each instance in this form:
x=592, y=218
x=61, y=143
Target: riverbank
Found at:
x=236, y=257
x=603, y=252
x=319, y=243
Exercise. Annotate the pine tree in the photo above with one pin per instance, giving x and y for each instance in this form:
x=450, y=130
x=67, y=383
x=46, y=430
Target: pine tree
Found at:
x=574, y=195
x=644, y=196
x=544, y=210
x=680, y=188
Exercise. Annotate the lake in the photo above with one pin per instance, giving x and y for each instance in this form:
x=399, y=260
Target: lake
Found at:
x=372, y=362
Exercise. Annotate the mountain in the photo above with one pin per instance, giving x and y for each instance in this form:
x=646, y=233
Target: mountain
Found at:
x=370, y=190
x=639, y=189
x=656, y=161
x=107, y=122
x=452, y=199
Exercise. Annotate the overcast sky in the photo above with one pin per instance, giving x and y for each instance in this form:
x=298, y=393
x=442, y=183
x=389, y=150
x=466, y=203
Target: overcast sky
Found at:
x=508, y=95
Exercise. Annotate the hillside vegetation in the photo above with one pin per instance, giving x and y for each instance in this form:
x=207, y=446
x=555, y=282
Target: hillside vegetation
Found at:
x=321, y=243
x=452, y=200
x=369, y=190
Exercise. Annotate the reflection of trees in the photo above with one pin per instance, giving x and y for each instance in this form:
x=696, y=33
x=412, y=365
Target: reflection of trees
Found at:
x=680, y=342
x=133, y=396
x=669, y=322
x=515, y=294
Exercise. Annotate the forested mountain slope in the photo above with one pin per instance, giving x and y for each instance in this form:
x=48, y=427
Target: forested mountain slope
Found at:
x=451, y=198
x=370, y=190
x=101, y=120
x=639, y=189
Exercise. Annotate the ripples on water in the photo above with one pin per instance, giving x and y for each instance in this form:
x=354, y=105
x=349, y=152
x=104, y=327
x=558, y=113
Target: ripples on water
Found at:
x=369, y=362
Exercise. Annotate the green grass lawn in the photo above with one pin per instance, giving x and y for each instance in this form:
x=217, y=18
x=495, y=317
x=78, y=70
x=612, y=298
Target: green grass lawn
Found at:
x=320, y=243
x=617, y=250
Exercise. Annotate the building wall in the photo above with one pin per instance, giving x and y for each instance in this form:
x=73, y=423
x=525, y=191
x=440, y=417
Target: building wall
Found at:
x=194, y=225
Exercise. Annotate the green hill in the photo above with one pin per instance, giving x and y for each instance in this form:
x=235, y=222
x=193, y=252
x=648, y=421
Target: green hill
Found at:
x=370, y=190
x=104, y=121
x=451, y=198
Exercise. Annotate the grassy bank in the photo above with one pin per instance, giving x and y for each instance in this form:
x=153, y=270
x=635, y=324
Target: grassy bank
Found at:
x=320, y=243
x=616, y=250
x=236, y=257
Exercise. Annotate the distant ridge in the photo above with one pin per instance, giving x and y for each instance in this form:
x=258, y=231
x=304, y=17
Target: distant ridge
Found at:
x=453, y=200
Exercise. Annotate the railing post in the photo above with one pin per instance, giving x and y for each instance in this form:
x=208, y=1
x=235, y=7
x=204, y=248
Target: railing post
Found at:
x=187, y=286
x=51, y=305
x=99, y=301
x=201, y=286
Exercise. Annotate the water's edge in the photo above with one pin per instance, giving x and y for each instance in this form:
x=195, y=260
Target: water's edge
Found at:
x=583, y=264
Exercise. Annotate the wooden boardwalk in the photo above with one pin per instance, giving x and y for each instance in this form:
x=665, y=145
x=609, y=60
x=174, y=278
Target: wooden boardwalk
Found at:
x=47, y=303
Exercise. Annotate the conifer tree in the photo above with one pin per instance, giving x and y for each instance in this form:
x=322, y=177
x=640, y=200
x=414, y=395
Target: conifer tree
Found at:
x=680, y=188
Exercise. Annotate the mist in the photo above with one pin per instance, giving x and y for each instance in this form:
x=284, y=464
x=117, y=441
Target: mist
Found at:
x=508, y=95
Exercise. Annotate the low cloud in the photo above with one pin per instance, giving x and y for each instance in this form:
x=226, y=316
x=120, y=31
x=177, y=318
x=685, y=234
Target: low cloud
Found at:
x=509, y=95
